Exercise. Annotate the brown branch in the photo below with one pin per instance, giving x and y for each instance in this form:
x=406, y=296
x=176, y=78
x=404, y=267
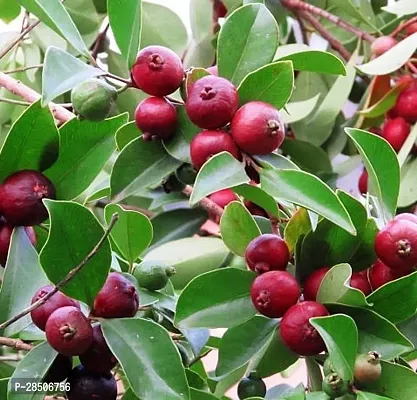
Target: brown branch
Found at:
x=18, y=88
x=295, y=5
x=15, y=343
x=67, y=279
x=12, y=44
x=99, y=40
x=206, y=203
x=23, y=69
x=302, y=27
x=11, y=358
x=334, y=43
x=402, y=26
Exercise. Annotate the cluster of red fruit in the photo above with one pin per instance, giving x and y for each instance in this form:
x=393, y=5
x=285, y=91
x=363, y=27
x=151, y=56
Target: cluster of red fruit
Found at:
x=21, y=204
x=212, y=104
x=70, y=333
x=276, y=293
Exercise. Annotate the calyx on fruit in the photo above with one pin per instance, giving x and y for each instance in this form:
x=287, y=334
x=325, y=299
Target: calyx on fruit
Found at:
x=59, y=370
x=251, y=386
x=93, y=99
x=152, y=274
x=368, y=368
x=6, y=231
x=41, y=314
x=297, y=332
x=158, y=71
x=267, y=252
x=212, y=101
x=118, y=298
x=274, y=292
x=328, y=367
x=208, y=143
x=68, y=331
x=334, y=386
x=382, y=44
x=85, y=385
x=21, y=196
x=156, y=117
x=257, y=128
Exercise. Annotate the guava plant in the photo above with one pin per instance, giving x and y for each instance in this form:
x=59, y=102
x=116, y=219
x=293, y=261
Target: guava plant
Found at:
x=164, y=184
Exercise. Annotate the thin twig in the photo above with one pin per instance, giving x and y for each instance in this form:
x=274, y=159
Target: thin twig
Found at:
x=16, y=102
x=402, y=26
x=334, y=43
x=23, y=69
x=99, y=40
x=12, y=44
x=104, y=203
x=198, y=358
x=274, y=225
x=206, y=203
x=17, y=344
x=295, y=5
x=302, y=27
x=67, y=279
x=12, y=358
x=118, y=78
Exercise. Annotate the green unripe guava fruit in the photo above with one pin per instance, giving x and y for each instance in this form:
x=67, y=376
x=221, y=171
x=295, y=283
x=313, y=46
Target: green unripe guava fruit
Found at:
x=153, y=275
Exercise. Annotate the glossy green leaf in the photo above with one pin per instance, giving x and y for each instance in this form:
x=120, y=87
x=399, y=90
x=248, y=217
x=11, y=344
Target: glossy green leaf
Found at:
x=406, y=149
x=376, y=333
x=219, y=172
x=369, y=396
x=388, y=300
x=377, y=154
x=149, y=358
x=335, y=288
x=132, y=232
x=340, y=335
x=276, y=161
x=365, y=253
x=307, y=191
x=258, y=196
x=316, y=61
x=190, y=257
x=125, y=17
x=245, y=31
x=23, y=276
x=393, y=59
x=408, y=194
x=9, y=11
x=84, y=150
x=176, y=224
x=201, y=18
x=401, y=8
x=179, y=146
x=125, y=134
x=240, y=343
x=69, y=243
x=54, y=14
x=298, y=110
x=140, y=165
x=62, y=72
x=32, y=148
x=217, y=299
x=396, y=382
x=238, y=228
x=200, y=395
x=272, y=83
x=299, y=224
x=33, y=367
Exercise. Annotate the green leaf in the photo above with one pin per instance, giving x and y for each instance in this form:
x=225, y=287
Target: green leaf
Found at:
x=388, y=300
x=33, y=367
x=408, y=194
x=190, y=257
x=393, y=59
x=140, y=165
x=258, y=196
x=162, y=26
x=125, y=19
x=238, y=227
x=272, y=83
x=298, y=225
x=69, y=243
x=149, y=358
x=132, y=233
x=340, y=334
x=23, y=276
x=216, y=299
x=401, y=8
x=316, y=61
x=335, y=288
x=307, y=191
x=9, y=11
x=85, y=149
x=179, y=146
x=369, y=396
x=54, y=14
x=407, y=148
x=62, y=72
x=200, y=395
x=241, y=343
x=201, y=19
x=176, y=224
x=219, y=172
x=245, y=31
x=396, y=382
x=31, y=143
x=365, y=253
x=276, y=161
x=298, y=110
x=375, y=332
x=377, y=154
x=125, y=134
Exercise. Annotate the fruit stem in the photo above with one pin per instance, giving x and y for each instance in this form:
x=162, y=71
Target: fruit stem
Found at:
x=17, y=344
x=16, y=102
x=67, y=279
x=206, y=203
x=402, y=26
x=315, y=378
